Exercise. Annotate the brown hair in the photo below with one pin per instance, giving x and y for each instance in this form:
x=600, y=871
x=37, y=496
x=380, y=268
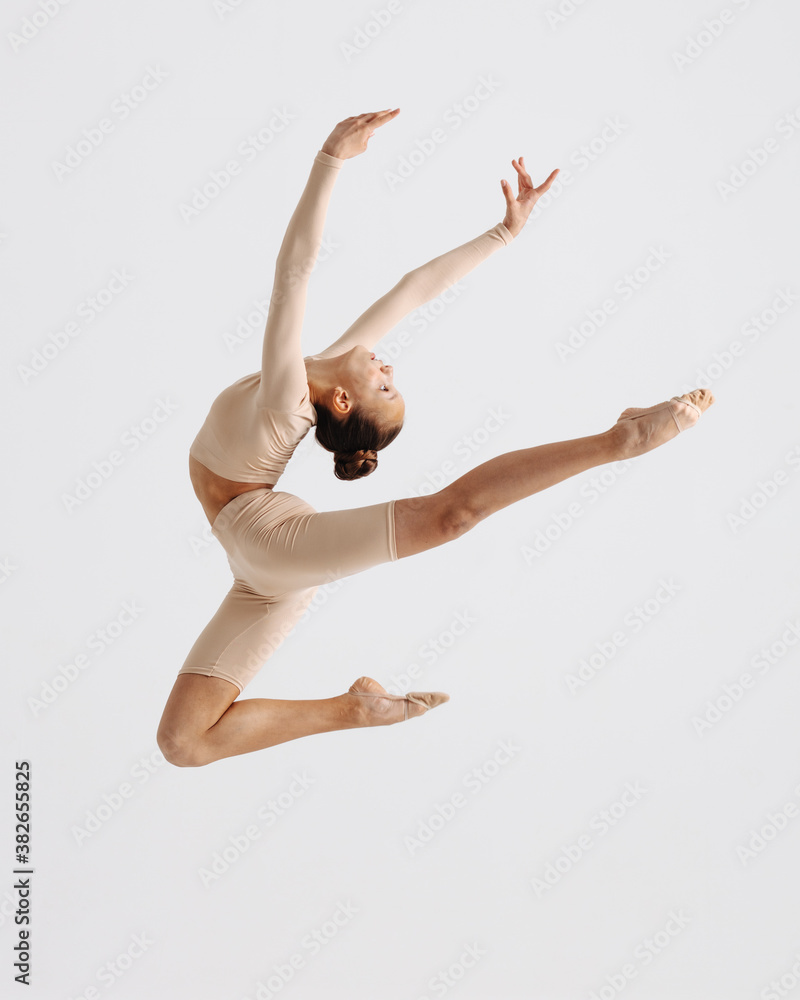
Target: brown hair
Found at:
x=354, y=440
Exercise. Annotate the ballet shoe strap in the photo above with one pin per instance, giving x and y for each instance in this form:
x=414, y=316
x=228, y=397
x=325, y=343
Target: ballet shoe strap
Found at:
x=406, y=699
x=378, y=694
x=688, y=403
x=417, y=701
x=674, y=414
x=391, y=697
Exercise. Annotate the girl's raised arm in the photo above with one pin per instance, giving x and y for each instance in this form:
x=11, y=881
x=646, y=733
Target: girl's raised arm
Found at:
x=283, y=374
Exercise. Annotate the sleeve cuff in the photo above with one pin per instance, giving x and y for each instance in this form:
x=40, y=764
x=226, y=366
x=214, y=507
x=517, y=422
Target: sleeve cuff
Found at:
x=503, y=233
x=331, y=161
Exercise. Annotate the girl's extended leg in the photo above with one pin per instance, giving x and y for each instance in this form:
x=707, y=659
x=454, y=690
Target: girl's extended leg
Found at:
x=427, y=521
x=424, y=522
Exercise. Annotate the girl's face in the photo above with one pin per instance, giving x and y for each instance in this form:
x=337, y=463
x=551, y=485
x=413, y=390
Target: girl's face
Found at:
x=373, y=383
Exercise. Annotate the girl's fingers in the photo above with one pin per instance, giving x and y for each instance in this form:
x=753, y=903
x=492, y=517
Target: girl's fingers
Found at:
x=525, y=179
x=384, y=116
x=372, y=115
x=524, y=176
x=543, y=187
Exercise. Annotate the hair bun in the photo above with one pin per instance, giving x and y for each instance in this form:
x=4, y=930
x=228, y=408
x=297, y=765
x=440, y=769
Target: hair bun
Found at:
x=354, y=464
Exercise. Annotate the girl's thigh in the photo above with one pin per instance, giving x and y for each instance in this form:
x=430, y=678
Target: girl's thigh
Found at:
x=307, y=548
x=245, y=631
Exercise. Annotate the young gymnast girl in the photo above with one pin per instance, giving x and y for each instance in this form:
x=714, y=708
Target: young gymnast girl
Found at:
x=279, y=548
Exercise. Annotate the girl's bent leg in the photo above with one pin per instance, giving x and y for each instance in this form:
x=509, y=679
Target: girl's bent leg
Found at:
x=424, y=522
x=202, y=722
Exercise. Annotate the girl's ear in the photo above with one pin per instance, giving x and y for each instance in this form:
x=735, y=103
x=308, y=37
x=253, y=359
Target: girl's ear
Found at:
x=341, y=400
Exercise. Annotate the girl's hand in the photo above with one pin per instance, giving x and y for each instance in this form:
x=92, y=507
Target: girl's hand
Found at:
x=518, y=209
x=351, y=136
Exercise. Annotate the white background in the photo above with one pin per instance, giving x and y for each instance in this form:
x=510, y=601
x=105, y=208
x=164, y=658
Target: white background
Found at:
x=692, y=105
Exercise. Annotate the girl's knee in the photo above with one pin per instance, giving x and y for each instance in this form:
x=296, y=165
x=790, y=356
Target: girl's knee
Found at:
x=180, y=751
x=425, y=522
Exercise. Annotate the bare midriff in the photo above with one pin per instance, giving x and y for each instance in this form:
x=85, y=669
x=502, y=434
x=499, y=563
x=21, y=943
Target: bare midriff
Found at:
x=213, y=491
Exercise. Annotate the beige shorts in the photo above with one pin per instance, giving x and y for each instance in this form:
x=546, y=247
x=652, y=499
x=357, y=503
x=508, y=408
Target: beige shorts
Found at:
x=280, y=550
